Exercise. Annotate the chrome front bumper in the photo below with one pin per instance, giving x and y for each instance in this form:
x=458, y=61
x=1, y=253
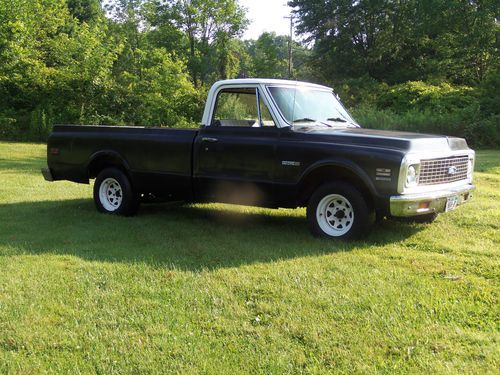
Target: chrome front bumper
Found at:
x=424, y=203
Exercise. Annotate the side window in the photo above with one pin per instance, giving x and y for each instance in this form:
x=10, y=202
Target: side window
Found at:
x=238, y=107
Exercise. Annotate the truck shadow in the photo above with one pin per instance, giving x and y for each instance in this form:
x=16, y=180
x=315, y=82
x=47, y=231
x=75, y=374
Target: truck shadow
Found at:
x=189, y=237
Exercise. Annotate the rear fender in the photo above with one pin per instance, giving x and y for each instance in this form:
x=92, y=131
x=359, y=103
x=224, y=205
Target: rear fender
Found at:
x=106, y=158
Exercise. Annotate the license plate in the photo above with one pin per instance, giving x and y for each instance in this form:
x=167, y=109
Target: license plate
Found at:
x=451, y=203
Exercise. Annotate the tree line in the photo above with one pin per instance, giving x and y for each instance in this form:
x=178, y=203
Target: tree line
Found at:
x=150, y=62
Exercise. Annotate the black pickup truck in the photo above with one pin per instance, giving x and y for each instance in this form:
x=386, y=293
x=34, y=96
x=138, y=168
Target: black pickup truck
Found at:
x=270, y=143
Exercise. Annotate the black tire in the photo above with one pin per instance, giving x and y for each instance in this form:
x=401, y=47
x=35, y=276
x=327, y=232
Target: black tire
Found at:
x=118, y=196
x=339, y=210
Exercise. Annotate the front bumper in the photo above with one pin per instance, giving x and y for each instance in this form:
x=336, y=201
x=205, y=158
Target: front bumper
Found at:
x=47, y=174
x=424, y=203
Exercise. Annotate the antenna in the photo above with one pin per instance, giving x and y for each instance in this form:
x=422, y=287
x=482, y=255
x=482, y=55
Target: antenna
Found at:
x=290, y=41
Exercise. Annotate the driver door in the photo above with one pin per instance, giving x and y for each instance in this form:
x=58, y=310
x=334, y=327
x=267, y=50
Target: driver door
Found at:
x=235, y=156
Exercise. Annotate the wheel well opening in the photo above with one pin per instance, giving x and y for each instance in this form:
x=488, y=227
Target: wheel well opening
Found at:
x=103, y=162
x=330, y=174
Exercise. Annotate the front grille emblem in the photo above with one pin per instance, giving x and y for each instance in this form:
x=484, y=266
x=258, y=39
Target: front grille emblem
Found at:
x=452, y=170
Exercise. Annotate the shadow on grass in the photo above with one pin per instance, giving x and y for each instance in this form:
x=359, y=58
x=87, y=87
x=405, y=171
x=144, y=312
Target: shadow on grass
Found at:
x=31, y=165
x=188, y=237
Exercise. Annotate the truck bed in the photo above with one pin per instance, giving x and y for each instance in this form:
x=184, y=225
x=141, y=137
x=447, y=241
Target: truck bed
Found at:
x=159, y=157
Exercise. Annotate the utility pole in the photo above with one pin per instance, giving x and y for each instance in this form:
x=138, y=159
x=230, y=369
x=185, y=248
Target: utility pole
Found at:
x=290, y=41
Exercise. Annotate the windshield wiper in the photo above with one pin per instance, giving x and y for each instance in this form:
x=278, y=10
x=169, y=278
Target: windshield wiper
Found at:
x=336, y=119
x=305, y=119
x=339, y=119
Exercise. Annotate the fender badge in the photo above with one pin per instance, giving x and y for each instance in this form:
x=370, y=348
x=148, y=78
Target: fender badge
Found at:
x=291, y=163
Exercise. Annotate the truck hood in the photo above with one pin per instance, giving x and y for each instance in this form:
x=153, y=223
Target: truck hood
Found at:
x=405, y=141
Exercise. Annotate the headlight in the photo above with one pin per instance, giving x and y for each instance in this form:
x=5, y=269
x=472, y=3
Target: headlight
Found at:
x=412, y=175
x=470, y=167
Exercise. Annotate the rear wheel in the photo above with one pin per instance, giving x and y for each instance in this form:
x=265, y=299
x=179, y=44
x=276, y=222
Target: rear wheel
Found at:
x=338, y=210
x=113, y=193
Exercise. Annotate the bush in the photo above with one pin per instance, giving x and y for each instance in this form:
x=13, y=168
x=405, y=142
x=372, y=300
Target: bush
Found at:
x=466, y=123
x=461, y=111
x=360, y=91
x=425, y=97
x=8, y=127
x=489, y=93
x=41, y=123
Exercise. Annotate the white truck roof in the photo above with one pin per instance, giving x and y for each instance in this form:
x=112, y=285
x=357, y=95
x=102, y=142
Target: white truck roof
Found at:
x=251, y=82
x=265, y=81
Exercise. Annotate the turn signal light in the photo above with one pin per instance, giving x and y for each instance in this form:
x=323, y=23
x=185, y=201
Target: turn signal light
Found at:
x=423, y=205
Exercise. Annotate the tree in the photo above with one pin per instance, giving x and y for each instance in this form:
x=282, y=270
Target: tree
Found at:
x=269, y=55
x=469, y=38
x=58, y=68
x=396, y=41
x=86, y=10
x=52, y=65
x=150, y=85
x=209, y=26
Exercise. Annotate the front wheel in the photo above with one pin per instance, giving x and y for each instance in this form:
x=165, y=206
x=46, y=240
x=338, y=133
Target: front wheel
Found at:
x=338, y=210
x=113, y=193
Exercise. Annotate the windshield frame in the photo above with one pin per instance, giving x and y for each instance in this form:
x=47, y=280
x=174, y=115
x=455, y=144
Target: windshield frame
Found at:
x=299, y=86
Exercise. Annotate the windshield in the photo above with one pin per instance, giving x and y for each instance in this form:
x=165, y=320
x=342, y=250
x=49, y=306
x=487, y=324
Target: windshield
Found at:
x=310, y=106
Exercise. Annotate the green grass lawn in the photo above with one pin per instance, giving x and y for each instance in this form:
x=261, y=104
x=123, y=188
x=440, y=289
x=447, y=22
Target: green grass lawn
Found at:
x=229, y=289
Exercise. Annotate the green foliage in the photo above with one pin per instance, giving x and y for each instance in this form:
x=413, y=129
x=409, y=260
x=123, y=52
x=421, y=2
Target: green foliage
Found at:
x=268, y=58
x=489, y=93
x=209, y=28
x=41, y=123
x=8, y=126
x=51, y=64
x=360, y=91
x=269, y=55
x=150, y=62
x=442, y=98
x=399, y=41
x=466, y=123
x=441, y=108
x=64, y=63
x=86, y=10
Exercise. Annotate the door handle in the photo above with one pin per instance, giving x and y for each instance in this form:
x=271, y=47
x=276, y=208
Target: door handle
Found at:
x=209, y=139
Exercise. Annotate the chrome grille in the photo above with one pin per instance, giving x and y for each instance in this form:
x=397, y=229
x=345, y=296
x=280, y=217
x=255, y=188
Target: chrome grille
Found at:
x=443, y=170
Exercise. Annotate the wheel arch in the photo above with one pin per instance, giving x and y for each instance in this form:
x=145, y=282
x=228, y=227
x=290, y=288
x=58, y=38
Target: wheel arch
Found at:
x=106, y=159
x=331, y=171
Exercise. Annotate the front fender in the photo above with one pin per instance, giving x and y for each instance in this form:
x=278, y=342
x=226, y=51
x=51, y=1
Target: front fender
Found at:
x=342, y=163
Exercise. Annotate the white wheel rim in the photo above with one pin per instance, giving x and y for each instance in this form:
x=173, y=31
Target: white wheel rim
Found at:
x=335, y=215
x=110, y=194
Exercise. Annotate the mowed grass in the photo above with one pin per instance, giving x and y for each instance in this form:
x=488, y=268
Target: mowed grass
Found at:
x=225, y=289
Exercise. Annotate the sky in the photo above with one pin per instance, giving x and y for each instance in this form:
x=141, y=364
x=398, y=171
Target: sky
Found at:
x=266, y=15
